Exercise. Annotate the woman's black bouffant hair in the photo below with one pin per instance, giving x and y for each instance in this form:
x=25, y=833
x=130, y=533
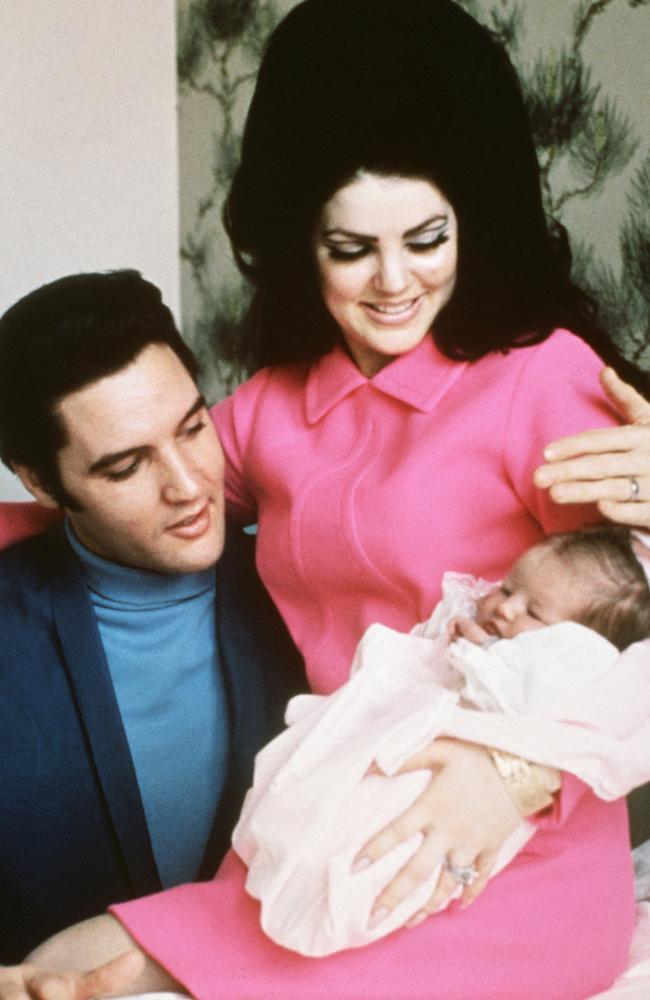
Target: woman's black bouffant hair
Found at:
x=413, y=88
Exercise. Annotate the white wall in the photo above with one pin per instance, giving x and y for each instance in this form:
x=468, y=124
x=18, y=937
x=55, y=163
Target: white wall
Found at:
x=88, y=145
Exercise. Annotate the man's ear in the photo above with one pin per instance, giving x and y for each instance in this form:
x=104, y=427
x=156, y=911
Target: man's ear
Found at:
x=31, y=482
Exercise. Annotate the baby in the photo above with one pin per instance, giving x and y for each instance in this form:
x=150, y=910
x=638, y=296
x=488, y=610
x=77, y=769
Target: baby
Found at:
x=515, y=676
x=591, y=577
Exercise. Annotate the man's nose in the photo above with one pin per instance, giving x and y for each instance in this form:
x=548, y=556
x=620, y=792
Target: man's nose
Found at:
x=181, y=481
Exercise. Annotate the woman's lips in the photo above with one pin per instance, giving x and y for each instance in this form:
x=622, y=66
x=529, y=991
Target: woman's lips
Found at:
x=192, y=526
x=393, y=313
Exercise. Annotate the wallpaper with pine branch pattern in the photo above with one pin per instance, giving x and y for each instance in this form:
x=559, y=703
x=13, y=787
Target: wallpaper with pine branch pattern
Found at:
x=586, y=74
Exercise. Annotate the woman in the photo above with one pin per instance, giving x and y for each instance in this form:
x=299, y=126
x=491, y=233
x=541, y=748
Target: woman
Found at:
x=407, y=294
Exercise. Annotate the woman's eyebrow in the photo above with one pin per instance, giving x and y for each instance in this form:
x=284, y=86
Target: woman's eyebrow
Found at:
x=350, y=234
x=435, y=220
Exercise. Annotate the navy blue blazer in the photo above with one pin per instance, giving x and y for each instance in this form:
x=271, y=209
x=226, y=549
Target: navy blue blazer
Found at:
x=73, y=834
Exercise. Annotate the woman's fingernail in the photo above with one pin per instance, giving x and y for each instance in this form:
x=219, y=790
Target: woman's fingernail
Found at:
x=549, y=453
x=418, y=918
x=360, y=865
x=377, y=917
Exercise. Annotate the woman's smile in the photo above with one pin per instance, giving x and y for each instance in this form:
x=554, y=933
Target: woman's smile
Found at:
x=393, y=313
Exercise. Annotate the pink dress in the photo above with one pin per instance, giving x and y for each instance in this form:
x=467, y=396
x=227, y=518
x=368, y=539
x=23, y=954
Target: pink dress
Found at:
x=365, y=491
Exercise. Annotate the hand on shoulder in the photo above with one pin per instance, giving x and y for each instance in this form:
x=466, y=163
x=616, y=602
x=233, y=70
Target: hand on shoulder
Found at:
x=609, y=467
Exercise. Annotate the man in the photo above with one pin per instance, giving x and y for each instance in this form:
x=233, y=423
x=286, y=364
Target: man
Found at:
x=136, y=681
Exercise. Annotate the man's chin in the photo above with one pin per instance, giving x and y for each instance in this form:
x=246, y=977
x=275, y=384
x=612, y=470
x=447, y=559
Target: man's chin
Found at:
x=161, y=552
x=191, y=558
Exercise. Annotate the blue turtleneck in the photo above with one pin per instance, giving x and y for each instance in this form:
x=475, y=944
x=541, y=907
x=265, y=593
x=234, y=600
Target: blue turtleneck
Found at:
x=159, y=637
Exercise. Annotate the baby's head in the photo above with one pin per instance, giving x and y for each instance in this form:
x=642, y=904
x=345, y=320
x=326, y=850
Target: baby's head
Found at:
x=590, y=576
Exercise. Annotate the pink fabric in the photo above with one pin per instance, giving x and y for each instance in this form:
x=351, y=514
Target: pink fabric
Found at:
x=313, y=803
x=365, y=491
x=524, y=939
x=20, y=520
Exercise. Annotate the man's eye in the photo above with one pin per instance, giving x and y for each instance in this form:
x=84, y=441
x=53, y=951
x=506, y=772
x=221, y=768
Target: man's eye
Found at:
x=195, y=429
x=115, y=475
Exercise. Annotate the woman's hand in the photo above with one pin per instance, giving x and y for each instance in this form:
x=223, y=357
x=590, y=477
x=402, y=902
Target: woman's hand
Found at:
x=603, y=466
x=465, y=813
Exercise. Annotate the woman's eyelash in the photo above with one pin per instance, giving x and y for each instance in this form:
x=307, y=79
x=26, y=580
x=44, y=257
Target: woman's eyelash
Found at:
x=422, y=246
x=195, y=428
x=338, y=253
x=419, y=246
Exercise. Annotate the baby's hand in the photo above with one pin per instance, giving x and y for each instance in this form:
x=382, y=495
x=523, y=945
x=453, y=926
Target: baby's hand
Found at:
x=466, y=628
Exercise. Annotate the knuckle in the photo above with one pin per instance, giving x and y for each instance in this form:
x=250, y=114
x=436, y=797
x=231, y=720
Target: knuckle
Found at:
x=418, y=868
x=382, y=843
x=445, y=887
x=406, y=825
x=403, y=884
x=391, y=896
x=438, y=901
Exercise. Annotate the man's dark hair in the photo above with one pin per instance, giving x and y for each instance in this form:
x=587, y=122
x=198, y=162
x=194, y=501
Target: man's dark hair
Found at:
x=61, y=337
x=410, y=88
x=604, y=553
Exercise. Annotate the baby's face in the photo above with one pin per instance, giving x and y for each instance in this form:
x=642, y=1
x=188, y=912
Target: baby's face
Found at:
x=540, y=589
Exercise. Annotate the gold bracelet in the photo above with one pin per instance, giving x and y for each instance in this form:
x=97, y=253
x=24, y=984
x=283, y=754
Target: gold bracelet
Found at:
x=524, y=783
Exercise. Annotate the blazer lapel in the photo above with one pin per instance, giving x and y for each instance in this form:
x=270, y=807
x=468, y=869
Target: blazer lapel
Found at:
x=238, y=634
x=239, y=652
x=91, y=683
